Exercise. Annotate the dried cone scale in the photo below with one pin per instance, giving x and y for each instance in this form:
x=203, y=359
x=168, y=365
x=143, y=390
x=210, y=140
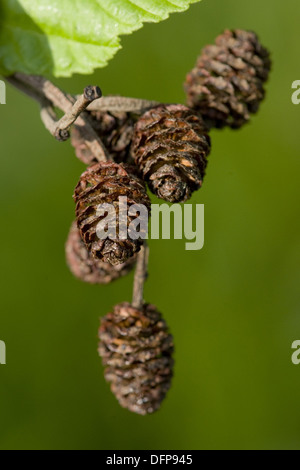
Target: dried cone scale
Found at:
x=226, y=85
x=170, y=147
x=105, y=183
x=136, y=350
x=88, y=269
x=115, y=131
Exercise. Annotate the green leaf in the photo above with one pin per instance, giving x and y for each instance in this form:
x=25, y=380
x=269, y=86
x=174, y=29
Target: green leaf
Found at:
x=62, y=37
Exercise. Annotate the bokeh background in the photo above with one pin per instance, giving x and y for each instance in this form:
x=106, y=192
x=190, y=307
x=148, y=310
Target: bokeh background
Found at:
x=233, y=307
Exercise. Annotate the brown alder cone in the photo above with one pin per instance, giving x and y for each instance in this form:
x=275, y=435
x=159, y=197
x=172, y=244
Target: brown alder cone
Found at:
x=170, y=147
x=136, y=349
x=115, y=131
x=105, y=183
x=88, y=269
x=226, y=85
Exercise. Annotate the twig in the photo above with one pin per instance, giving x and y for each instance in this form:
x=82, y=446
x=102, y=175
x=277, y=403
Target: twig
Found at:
x=49, y=118
x=120, y=104
x=141, y=272
x=27, y=90
x=57, y=97
x=47, y=94
x=48, y=114
x=90, y=93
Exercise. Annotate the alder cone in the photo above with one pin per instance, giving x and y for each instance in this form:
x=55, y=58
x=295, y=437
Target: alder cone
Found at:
x=136, y=349
x=170, y=147
x=115, y=131
x=104, y=183
x=226, y=85
x=88, y=269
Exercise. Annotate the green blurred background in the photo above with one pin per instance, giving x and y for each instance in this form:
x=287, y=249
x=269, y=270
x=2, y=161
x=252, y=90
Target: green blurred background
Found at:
x=233, y=307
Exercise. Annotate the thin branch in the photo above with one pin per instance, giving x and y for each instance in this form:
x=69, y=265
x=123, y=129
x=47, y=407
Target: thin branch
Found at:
x=140, y=276
x=48, y=114
x=74, y=109
x=28, y=90
x=49, y=118
x=119, y=104
x=90, y=93
x=49, y=96
x=64, y=100
x=57, y=97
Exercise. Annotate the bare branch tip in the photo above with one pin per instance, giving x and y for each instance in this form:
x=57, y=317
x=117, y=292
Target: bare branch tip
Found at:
x=62, y=135
x=92, y=93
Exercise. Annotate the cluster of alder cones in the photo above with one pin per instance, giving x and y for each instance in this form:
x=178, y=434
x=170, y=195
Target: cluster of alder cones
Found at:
x=167, y=148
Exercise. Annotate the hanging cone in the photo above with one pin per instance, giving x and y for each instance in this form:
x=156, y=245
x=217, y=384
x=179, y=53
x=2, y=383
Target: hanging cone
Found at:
x=226, y=85
x=170, y=147
x=136, y=349
x=105, y=183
